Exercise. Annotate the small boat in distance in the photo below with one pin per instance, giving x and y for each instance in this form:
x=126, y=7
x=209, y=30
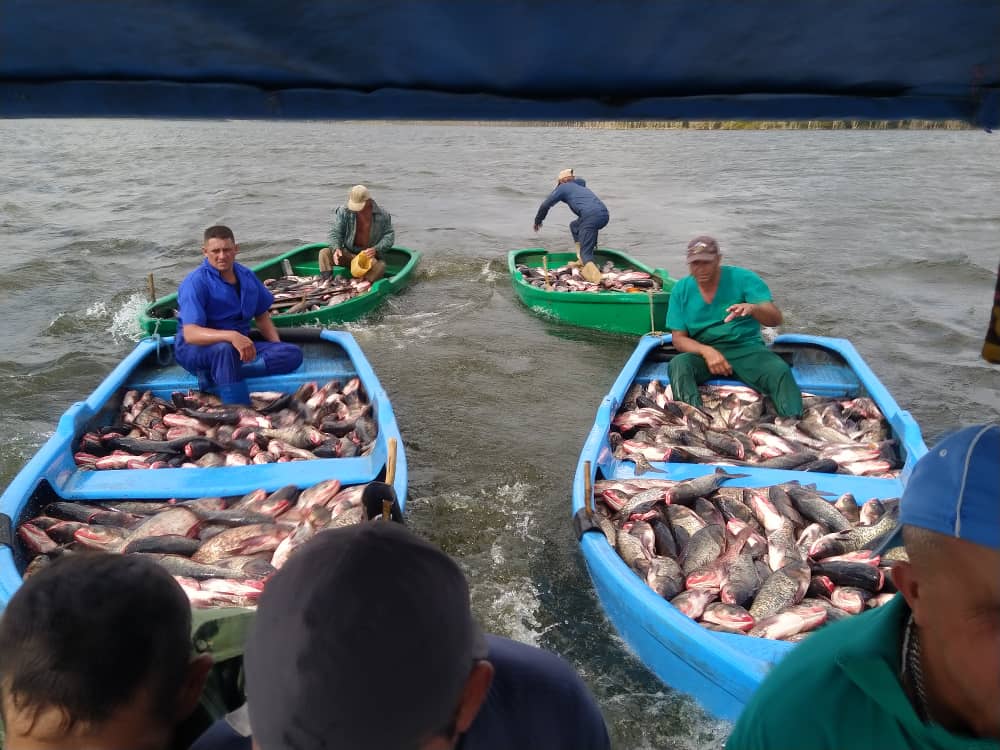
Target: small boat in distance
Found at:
x=635, y=312
x=160, y=317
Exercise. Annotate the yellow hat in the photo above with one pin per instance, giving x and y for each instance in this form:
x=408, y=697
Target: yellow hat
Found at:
x=361, y=265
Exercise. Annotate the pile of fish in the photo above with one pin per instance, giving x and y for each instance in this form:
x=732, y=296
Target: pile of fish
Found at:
x=737, y=426
x=221, y=550
x=774, y=562
x=301, y=294
x=195, y=429
x=567, y=279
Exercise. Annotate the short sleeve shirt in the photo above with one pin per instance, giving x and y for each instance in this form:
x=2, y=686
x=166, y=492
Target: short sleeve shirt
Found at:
x=702, y=320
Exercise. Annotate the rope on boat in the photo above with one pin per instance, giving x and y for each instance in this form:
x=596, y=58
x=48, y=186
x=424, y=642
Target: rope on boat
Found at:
x=652, y=315
x=161, y=359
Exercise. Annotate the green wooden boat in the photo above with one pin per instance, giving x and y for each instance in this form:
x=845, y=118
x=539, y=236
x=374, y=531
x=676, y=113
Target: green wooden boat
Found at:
x=161, y=316
x=618, y=312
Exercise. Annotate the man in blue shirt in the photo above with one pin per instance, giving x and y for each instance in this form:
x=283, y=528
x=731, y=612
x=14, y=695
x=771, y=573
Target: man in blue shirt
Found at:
x=592, y=215
x=217, y=302
x=365, y=640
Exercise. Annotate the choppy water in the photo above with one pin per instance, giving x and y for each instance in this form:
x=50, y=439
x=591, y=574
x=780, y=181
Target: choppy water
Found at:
x=885, y=238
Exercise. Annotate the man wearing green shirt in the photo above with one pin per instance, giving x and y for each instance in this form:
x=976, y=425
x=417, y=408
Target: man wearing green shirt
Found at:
x=922, y=671
x=715, y=315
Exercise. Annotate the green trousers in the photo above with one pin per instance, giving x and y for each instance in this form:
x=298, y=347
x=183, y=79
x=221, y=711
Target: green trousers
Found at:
x=758, y=367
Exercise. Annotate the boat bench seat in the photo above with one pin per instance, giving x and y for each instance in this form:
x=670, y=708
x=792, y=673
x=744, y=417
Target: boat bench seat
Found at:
x=823, y=379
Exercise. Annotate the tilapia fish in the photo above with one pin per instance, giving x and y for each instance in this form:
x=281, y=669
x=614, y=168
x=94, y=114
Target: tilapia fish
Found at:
x=567, y=279
x=194, y=430
x=737, y=426
x=769, y=562
x=221, y=550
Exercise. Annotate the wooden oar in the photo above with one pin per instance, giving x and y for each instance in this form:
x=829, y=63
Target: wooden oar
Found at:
x=588, y=491
x=151, y=288
x=390, y=476
x=545, y=268
x=390, y=463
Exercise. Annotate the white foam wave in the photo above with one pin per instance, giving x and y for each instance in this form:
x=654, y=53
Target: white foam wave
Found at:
x=124, y=321
x=96, y=310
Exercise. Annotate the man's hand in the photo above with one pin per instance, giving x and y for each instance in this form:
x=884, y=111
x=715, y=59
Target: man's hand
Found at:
x=537, y=227
x=739, y=310
x=244, y=346
x=338, y=254
x=717, y=364
x=370, y=252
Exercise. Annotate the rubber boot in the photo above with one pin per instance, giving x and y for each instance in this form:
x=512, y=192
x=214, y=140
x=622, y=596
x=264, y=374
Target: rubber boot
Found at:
x=234, y=393
x=591, y=273
x=576, y=263
x=326, y=275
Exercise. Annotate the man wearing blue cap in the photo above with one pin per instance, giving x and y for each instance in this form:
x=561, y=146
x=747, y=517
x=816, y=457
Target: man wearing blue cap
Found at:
x=922, y=671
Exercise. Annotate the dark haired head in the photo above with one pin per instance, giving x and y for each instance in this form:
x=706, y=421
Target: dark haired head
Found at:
x=219, y=232
x=86, y=634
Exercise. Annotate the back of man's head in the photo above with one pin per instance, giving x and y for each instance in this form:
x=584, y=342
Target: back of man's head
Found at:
x=219, y=232
x=87, y=634
x=364, y=639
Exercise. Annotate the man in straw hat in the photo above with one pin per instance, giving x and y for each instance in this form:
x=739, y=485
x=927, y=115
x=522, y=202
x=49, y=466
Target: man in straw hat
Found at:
x=361, y=226
x=715, y=315
x=923, y=670
x=365, y=640
x=591, y=216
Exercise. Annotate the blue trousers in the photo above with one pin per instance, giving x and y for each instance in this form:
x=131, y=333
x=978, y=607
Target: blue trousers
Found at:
x=219, y=364
x=584, y=230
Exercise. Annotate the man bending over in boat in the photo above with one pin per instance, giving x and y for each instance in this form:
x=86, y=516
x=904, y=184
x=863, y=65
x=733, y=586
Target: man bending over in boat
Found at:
x=217, y=302
x=715, y=315
x=591, y=216
x=361, y=226
x=95, y=652
x=923, y=670
x=365, y=640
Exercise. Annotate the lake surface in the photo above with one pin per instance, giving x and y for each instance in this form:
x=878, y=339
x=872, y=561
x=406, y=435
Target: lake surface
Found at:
x=886, y=238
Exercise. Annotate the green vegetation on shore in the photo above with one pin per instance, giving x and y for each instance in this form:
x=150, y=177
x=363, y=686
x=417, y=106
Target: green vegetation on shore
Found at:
x=723, y=124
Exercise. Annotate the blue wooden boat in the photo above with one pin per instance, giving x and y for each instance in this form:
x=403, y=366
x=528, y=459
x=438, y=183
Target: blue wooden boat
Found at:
x=720, y=670
x=51, y=474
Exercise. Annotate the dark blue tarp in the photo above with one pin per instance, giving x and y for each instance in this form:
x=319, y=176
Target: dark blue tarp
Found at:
x=503, y=59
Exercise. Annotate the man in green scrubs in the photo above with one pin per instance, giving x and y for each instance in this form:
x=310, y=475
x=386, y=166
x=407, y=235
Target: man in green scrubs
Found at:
x=715, y=315
x=922, y=671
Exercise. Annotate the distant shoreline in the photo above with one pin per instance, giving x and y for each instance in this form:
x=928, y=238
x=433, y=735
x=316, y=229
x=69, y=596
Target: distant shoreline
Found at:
x=716, y=124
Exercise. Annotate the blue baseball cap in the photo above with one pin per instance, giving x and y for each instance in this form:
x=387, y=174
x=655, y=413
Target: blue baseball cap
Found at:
x=955, y=489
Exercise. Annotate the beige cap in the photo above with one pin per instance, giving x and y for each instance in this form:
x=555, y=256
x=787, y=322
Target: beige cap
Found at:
x=564, y=174
x=358, y=197
x=702, y=247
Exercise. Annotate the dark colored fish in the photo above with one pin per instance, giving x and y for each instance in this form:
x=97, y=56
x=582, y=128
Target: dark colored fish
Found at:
x=703, y=547
x=665, y=577
x=815, y=508
x=782, y=588
x=859, y=575
x=169, y=544
x=685, y=492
